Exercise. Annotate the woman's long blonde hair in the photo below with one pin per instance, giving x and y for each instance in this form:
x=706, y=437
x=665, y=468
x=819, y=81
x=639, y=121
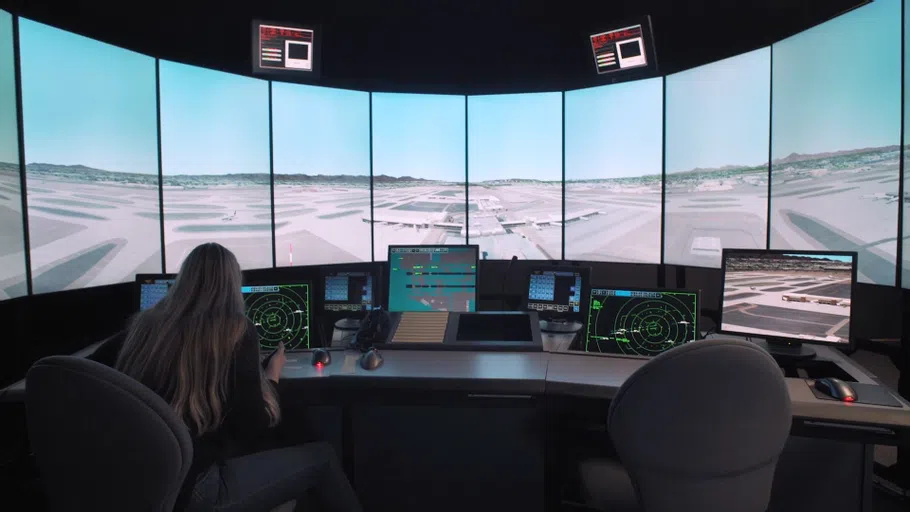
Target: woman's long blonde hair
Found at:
x=184, y=346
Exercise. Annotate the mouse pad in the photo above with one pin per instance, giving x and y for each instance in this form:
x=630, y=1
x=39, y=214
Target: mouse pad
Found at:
x=869, y=394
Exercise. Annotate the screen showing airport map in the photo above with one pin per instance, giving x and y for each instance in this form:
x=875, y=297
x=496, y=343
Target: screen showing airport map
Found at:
x=790, y=296
x=640, y=322
x=281, y=314
x=433, y=278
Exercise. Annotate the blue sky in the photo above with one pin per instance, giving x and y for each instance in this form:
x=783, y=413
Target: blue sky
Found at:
x=419, y=135
x=213, y=123
x=615, y=131
x=515, y=136
x=92, y=105
x=9, y=139
x=846, y=259
x=319, y=130
x=718, y=114
x=837, y=86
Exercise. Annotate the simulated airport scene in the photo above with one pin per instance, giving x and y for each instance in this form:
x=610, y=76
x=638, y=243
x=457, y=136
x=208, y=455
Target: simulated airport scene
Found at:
x=12, y=253
x=614, y=219
x=506, y=218
x=840, y=201
x=788, y=296
x=709, y=209
x=89, y=227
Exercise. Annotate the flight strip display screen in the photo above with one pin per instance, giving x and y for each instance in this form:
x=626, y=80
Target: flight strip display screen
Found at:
x=640, y=322
x=153, y=289
x=555, y=291
x=281, y=314
x=348, y=291
x=433, y=278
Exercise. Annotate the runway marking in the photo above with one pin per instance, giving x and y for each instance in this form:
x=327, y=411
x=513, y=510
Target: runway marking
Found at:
x=746, y=311
x=838, y=326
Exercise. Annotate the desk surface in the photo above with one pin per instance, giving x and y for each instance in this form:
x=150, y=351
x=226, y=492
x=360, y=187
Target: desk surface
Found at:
x=556, y=373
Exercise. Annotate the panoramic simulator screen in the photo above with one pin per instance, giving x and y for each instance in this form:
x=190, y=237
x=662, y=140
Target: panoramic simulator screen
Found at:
x=281, y=314
x=418, y=171
x=215, y=163
x=835, y=139
x=12, y=270
x=790, y=296
x=433, y=278
x=91, y=152
x=321, y=160
x=717, y=177
x=515, y=175
x=640, y=322
x=613, y=172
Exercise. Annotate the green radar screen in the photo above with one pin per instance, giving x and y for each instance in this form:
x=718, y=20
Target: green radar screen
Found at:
x=640, y=322
x=281, y=314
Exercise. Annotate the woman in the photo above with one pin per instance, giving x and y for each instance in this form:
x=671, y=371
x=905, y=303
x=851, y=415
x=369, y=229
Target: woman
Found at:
x=197, y=349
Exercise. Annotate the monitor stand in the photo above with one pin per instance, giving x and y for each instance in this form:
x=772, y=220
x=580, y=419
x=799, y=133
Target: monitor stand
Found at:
x=787, y=350
x=344, y=332
x=560, y=326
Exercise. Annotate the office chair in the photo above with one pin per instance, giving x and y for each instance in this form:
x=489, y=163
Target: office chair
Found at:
x=699, y=427
x=103, y=441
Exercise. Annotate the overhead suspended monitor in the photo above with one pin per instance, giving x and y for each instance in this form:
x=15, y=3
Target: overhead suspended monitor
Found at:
x=282, y=48
x=627, y=47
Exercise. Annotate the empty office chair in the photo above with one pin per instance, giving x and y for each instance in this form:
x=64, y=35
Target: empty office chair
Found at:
x=698, y=428
x=103, y=441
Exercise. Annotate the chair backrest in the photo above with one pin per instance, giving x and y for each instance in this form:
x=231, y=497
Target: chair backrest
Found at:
x=103, y=441
x=700, y=427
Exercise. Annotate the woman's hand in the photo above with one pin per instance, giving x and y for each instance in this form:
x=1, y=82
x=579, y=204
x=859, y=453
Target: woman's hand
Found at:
x=276, y=364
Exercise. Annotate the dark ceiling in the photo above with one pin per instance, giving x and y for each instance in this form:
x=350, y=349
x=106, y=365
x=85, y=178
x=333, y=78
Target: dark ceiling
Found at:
x=458, y=46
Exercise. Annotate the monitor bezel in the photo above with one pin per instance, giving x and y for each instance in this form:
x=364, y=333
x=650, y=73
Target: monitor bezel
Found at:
x=585, y=272
x=137, y=292
x=696, y=318
x=388, y=280
x=364, y=268
x=787, y=340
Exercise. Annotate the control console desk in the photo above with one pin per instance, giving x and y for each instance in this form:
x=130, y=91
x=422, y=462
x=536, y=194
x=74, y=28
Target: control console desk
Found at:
x=483, y=430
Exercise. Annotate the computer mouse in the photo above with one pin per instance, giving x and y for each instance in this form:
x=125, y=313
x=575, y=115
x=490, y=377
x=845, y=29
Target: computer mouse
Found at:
x=371, y=360
x=836, y=388
x=321, y=357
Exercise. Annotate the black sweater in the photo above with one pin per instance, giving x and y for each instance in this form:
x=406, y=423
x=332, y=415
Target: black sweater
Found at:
x=246, y=419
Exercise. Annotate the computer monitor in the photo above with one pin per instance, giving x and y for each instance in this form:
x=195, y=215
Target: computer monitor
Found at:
x=348, y=291
x=557, y=292
x=152, y=288
x=433, y=278
x=788, y=297
x=640, y=322
x=281, y=314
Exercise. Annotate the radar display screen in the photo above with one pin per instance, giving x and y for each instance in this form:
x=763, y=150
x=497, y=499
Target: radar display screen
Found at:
x=348, y=291
x=788, y=296
x=555, y=291
x=640, y=322
x=281, y=314
x=433, y=278
x=152, y=289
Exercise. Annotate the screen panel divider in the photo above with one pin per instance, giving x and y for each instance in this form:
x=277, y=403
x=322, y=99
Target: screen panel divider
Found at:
x=17, y=71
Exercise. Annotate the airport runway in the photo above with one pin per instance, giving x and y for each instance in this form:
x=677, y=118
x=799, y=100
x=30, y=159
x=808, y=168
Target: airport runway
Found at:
x=784, y=302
